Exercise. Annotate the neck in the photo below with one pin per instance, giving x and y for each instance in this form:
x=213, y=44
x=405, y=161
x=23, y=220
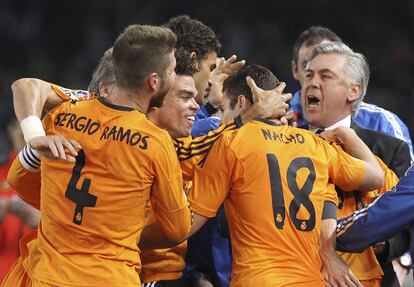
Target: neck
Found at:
x=123, y=97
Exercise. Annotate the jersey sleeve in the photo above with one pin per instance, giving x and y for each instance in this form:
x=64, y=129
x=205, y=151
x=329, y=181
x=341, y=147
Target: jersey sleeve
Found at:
x=191, y=150
x=168, y=199
x=331, y=194
x=69, y=94
x=345, y=171
x=26, y=183
x=390, y=178
x=212, y=180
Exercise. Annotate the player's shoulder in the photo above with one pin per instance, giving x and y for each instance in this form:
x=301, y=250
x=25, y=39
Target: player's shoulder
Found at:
x=73, y=94
x=159, y=136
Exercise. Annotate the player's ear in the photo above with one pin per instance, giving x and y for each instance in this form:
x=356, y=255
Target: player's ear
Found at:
x=295, y=70
x=241, y=103
x=153, y=81
x=105, y=88
x=354, y=92
x=193, y=57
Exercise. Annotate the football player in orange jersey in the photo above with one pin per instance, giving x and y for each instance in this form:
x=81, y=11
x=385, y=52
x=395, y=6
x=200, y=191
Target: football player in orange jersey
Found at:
x=85, y=257
x=167, y=117
x=266, y=237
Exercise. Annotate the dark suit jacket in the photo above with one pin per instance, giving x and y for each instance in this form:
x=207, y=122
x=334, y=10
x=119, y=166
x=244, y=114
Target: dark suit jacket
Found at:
x=392, y=151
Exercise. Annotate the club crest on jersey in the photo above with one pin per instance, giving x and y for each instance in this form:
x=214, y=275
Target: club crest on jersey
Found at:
x=76, y=95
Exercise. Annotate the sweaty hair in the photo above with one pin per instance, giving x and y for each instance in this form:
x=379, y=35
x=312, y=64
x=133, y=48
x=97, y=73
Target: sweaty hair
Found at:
x=236, y=84
x=194, y=36
x=312, y=36
x=103, y=73
x=139, y=51
x=356, y=63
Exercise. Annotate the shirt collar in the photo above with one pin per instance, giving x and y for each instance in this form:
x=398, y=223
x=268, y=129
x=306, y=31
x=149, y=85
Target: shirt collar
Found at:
x=345, y=122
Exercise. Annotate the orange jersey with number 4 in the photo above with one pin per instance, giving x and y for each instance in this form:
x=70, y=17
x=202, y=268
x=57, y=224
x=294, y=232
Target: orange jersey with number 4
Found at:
x=273, y=182
x=93, y=211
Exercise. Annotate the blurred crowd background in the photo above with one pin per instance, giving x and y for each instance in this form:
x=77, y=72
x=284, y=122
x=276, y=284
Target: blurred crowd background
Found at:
x=61, y=41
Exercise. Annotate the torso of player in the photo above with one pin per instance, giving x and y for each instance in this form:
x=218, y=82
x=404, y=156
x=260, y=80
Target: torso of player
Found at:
x=275, y=205
x=161, y=264
x=93, y=210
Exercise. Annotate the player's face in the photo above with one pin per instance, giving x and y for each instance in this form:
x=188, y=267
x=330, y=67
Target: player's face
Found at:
x=167, y=82
x=326, y=92
x=177, y=113
x=299, y=68
x=205, y=67
x=227, y=112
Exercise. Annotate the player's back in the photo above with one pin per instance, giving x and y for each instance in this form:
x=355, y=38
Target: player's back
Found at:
x=93, y=210
x=274, y=207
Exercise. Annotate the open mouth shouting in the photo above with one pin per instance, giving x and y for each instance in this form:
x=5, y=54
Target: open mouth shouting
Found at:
x=312, y=102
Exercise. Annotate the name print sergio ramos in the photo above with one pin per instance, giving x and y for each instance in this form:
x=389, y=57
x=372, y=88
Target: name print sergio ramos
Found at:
x=90, y=126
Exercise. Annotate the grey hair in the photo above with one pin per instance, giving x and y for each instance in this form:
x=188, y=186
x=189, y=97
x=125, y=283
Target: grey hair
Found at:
x=104, y=72
x=357, y=65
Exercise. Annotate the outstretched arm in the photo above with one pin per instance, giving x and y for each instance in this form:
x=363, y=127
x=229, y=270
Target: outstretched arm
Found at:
x=354, y=146
x=32, y=97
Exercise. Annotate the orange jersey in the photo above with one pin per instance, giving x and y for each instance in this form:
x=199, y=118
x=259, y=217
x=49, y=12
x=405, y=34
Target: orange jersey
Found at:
x=364, y=265
x=191, y=151
x=93, y=211
x=273, y=180
x=157, y=264
x=161, y=264
x=26, y=183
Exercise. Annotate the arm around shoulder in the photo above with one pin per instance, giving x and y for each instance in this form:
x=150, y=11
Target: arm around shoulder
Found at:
x=33, y=96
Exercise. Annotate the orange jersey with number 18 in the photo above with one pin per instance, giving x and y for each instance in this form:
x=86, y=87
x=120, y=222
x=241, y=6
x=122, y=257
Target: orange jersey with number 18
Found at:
x=93, y=211
x=273, y=182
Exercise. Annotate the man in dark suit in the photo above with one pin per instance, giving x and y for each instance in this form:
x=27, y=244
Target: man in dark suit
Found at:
x=336, y=79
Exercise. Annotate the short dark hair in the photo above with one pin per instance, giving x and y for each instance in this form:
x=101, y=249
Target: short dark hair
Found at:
x=184, y=65
x=313, y=35
x=236, y=84
x=141, y=50
x=194, y=36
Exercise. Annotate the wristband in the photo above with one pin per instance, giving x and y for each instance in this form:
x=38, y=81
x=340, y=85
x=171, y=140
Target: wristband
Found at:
x=32, y=127
x=30, y=159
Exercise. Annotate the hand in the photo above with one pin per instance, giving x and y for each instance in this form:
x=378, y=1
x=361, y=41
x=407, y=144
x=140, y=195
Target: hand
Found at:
x=4, y=207
x=229, y=66
x=27, y=213
x=336, y=272
x=224, y=68
x=286, y=120
x=341, y=134
x=56, y=147
x=267, y=104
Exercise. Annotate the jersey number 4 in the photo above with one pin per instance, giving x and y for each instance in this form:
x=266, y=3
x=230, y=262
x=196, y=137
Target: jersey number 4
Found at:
x=81, y=197
x=300, y=195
